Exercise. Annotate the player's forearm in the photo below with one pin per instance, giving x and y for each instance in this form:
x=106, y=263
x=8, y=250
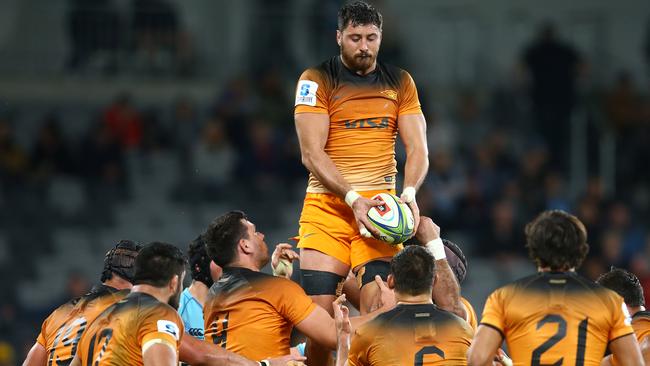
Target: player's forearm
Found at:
x=446, y=291
x=416, y=166
x=343, y=350
x=324, y=169
x=195, y=352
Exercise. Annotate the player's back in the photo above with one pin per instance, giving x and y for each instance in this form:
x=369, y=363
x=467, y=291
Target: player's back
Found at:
x=556, y=318
x=419, y=334
x=252, y=313
x=62, y=330
x=472, y=320
x=121, y=334
x=641, y=324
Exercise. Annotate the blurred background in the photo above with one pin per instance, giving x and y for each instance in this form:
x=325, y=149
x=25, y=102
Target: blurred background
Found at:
x=145, y=119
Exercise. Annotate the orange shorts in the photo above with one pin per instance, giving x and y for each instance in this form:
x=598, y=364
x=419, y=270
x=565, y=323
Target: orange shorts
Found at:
x=327, y=224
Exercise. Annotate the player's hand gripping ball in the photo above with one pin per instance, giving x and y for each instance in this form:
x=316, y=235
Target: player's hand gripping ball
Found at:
x=393, y=219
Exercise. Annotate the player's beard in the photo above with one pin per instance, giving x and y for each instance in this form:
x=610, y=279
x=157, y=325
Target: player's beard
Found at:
x=358, y=61
x=175, y=299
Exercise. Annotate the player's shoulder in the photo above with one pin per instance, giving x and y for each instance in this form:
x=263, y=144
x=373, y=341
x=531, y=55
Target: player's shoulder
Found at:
x=236, y=278
x=393, y=73
x=326, y=71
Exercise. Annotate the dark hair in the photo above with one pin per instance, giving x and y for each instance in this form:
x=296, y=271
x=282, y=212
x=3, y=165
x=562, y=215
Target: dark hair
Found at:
x=157, y=263
x=625, y=284
x=120, y=260
x=199, y=262
x=557, y=240
x=459, y=265
x=222, y=236
x=358, y=13
x=413, y=269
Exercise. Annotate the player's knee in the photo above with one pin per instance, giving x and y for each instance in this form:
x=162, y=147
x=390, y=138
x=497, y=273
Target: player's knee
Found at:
x=321, y=282
x=368, y=271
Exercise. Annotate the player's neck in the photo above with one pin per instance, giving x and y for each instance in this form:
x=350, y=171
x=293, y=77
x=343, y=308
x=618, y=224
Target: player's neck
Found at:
x=244, y=263
x=404, y=299
x=199, y=291
x=161, y=294
x=635, y=309
x=359, y=72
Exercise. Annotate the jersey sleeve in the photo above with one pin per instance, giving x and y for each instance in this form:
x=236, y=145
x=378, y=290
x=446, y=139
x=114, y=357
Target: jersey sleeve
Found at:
x=290, y=300
x=621, y=320
x=493, y=313
x=409, y=103
x=311, y=93
x=161, y=325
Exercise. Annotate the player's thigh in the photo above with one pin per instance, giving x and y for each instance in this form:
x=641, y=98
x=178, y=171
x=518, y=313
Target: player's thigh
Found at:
x=369, y=294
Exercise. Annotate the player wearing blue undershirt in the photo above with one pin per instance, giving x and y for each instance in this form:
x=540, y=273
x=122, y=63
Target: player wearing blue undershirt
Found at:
x=204, y=272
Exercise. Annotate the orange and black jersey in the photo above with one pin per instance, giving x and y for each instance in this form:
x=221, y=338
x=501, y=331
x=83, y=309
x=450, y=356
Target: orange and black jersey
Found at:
x=556, y=318
x=61, y=331
x=123, y=332
x=252, y=313
x=641, y=324
x=420, y=334
x=363, y=113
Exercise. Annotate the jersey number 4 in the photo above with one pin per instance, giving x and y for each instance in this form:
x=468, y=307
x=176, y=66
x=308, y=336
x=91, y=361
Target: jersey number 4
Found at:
x=220, y=337
x=558, y=336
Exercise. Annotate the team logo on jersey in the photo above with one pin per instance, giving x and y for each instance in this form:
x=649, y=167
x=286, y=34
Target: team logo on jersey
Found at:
x=389, y=93
x=306, y=92
x=169, y=327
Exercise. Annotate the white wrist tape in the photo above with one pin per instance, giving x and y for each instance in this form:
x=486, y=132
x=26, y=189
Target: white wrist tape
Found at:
x=408, y=194
x=365, y=233
x=351, y=196
x=436, y=248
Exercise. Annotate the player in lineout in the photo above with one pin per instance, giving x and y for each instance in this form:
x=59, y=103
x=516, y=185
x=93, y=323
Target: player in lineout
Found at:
x=628, y=286
x=416, y=332
x=348, y=111
x=144, y=328
x=61, y=331
x=555, y=316
x=252, y=313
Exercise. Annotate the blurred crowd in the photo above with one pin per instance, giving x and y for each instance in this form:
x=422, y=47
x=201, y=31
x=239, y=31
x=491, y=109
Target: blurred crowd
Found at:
x=497, y=157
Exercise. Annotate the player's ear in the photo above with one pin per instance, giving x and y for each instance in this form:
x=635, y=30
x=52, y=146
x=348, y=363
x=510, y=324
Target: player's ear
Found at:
x=339, y=37
x=173, y=284
x=244, y=246
x=391, y=281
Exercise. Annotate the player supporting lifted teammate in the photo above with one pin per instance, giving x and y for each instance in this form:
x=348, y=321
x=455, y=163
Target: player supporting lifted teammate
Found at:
x=347, y=114
x=628, y=286
x=416, y=332
x=204, y=272
x=252, y=313
x=144, y=328
x=555, y=316
x=61, y=331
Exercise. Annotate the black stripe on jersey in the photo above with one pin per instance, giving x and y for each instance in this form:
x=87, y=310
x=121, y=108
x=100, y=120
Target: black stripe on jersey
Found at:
x=411, y=315
x=384, y=76
x=236, y=278
x=566, y=281
x=641, y=314
x=495, y=328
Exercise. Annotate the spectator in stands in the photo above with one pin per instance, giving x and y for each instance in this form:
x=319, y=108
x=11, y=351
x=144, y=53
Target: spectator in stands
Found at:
x=124, y=122
x=185, y=130
x=154, y=134
x=213, y=160
x=51, y=154
x=14, y=164
x=553, y=66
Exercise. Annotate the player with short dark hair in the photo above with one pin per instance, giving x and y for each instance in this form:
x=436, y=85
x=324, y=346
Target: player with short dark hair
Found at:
x=252, y=313
x=348, y=111
x=144, y=328
x=628, y=286
x=61, y=331
x=416, y=332
x=555, y=316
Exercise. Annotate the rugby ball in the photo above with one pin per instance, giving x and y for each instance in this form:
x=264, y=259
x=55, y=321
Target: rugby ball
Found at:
x=393, y=219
